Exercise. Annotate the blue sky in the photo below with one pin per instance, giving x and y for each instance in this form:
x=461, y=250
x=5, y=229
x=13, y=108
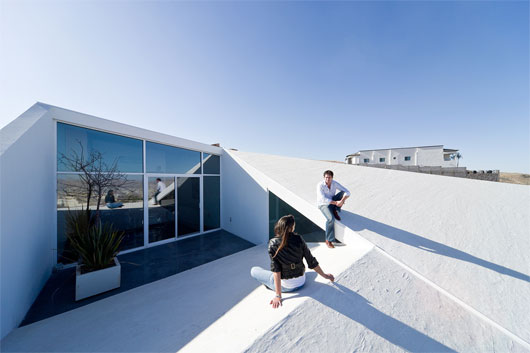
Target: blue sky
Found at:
x=317, y=80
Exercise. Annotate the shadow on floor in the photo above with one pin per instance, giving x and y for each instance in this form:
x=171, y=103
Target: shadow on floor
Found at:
x=359, y=223
x=357, y=308
x=137, y=268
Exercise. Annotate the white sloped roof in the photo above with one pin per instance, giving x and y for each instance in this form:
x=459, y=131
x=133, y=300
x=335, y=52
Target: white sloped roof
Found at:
x=468, y=238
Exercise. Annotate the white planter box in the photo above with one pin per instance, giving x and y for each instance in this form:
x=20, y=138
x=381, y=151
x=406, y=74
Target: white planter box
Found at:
x=92, y=283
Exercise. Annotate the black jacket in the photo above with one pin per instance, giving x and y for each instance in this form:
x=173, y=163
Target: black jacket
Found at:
x=289, y=259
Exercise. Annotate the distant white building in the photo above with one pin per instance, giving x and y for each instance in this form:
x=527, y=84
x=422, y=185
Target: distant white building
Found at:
x=422, y=156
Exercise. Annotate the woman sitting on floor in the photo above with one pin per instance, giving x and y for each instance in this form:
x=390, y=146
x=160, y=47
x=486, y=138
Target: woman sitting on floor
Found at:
x=286, y=251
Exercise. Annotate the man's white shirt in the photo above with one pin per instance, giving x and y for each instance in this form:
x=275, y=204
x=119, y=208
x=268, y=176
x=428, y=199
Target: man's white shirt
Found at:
x=324, y=194
x=160, y=186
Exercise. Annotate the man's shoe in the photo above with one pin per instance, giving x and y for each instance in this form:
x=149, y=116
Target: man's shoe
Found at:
x=330, y=244
x=336, y=214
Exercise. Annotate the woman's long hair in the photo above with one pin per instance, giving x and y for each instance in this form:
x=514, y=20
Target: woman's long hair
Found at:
x=283, y=229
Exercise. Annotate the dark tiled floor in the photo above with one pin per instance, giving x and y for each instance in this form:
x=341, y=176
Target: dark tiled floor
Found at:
x=137, y=268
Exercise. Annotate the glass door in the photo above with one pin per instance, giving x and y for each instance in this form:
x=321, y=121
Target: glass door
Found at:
x=188, y=205
x=161, y=208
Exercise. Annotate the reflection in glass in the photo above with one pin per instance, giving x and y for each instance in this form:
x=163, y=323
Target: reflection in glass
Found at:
x=167, y=159
x=189, y=216
x=212, y=202
x=125, y=212
x=210, y=164
x=74, y=140
x=161, y=208
x=279, y=208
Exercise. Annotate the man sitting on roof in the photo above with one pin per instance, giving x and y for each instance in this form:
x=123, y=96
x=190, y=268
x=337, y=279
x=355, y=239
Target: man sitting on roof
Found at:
x=329, y=203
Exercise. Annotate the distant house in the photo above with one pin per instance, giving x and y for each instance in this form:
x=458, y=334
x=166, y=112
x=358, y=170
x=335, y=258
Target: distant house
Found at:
x=422, y=156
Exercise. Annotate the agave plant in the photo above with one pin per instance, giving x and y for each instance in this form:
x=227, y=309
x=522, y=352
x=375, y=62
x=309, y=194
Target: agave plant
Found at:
x=97, y=246
x=77, y=222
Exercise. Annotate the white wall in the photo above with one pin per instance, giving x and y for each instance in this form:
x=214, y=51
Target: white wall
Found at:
x=244, y=203
x=379, y=154
x=26, y=213
x=425, y=156
x=362, y=156
x=430, y=157
x=400, y=155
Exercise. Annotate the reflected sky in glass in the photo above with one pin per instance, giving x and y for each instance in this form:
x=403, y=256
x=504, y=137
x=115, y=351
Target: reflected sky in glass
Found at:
x=128, y=152
x=174, y=160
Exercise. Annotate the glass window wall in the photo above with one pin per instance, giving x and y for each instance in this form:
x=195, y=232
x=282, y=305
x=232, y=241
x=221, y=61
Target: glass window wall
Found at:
x=85, y=155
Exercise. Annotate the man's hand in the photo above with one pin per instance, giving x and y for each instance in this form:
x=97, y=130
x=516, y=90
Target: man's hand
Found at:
x=340, y=203
x=276, y=302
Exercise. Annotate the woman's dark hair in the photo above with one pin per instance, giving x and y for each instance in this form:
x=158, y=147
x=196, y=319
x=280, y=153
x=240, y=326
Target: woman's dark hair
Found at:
x=328, y=172
x=283, y=229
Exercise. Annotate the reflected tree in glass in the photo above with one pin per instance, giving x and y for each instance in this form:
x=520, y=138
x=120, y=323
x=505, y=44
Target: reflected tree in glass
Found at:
x=127, y=151
x=96, y=176
x=102, y=184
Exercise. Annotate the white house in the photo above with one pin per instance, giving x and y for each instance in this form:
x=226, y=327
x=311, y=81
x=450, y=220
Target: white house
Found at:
x=422, y=156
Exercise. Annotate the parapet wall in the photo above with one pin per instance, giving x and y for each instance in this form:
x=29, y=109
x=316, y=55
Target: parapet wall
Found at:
x=490, y=175
x=460, y=172
x=449, y=171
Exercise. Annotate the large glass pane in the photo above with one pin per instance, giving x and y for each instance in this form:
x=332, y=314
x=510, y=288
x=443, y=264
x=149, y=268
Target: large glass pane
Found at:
x=161, y=208
x=279, y=208
x=211, y=164
x=77, y=144
x=174, y=160
x=121, y=204
x=212, y=202
x=189, y=216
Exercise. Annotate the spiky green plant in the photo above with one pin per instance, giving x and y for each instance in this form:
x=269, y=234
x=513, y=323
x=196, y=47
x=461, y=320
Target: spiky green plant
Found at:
x=97, y=247
x=77, y=222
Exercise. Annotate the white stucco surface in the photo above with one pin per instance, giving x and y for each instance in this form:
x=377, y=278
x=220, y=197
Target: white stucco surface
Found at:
x=216, y=307
x=376, y=306
x=26, y=213
x=244, y=202
x=469, y=237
